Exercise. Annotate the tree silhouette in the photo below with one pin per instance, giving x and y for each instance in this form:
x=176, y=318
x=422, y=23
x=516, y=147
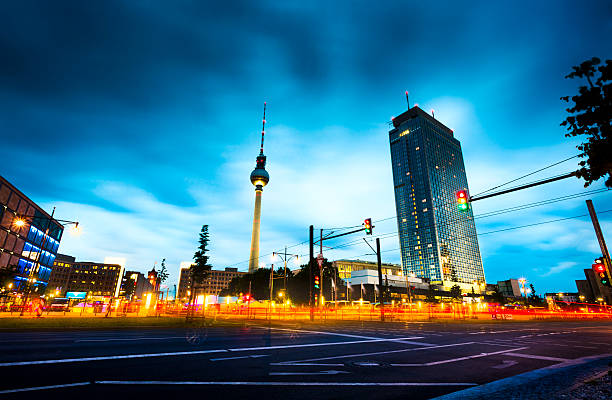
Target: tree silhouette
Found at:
x=591, y=116
x=162, y=275
x=455, y=292
x=200, y=269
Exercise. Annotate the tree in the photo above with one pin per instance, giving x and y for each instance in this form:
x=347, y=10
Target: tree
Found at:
x=591, y=116
x=200, y=269
x=162, y=275
x=455, y=292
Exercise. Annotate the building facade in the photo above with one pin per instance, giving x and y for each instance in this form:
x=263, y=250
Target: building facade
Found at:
x=134, y=285
x=346, y=267
x=509, y=288
x=29, y=240
x=216, y=281
x=437, y=240
x=97, y=279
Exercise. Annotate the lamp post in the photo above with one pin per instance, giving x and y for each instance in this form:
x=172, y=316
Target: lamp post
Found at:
x=285, y=257
x=20, y=222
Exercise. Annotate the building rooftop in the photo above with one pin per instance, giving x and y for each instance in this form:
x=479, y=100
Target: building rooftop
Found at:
x=417, y=112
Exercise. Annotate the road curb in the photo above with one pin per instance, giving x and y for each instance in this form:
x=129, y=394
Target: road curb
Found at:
x=543, y=383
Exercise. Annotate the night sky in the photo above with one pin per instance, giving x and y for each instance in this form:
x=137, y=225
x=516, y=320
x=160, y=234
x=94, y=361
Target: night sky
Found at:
x=141, y=120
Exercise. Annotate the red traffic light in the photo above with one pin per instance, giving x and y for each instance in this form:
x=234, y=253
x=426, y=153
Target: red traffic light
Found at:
x=599, y=268
x=368, y=226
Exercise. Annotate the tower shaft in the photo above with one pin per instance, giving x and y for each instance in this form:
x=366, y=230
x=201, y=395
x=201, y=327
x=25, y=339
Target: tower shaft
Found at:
x=254, y=258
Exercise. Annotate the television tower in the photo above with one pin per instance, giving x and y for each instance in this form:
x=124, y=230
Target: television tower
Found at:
x=259, y=178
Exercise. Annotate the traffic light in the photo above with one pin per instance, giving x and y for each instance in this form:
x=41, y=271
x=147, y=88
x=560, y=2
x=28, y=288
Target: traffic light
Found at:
x=316, y=282
x=602, y=273
x=462, y=200
x=368, y=226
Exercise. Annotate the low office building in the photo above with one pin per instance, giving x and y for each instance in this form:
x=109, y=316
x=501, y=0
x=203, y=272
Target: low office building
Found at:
x=97, y=279
x=370, y=277
x=134, y=285
x=216, y=281
x=509, y=288
x=29, y=240
x=346, y=267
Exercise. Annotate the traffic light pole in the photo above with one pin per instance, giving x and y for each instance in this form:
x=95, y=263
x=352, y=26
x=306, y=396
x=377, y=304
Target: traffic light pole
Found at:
x=599, y=234
x=528, y=185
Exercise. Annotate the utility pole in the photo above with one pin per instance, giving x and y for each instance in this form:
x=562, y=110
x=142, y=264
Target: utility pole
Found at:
x=310, y=266
x=382, y=290
x=321, y=267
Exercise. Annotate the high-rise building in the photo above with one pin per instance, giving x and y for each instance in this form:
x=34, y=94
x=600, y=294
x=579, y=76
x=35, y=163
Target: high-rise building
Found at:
x=29, y=240
x=438, y=240
x=259, y=178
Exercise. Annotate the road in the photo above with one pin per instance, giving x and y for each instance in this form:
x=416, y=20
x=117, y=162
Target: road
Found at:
x=288, y=361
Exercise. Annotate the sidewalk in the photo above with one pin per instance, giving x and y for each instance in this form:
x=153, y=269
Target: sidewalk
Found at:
x=561, y=381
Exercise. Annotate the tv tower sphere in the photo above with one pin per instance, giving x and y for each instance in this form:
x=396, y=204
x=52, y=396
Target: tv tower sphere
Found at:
x=259, y=176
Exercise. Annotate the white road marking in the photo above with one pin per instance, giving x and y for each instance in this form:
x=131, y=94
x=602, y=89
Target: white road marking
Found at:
x=505, y=364
x=429, y=364
x=247, y=383
x=506, y=331
x=289, y=346
x=128, y=339
x=341, y=334
x=329, y=372
x=184, y=353
x=239, y=357
x=537, y=357
x=30, y=389
x=372, y=354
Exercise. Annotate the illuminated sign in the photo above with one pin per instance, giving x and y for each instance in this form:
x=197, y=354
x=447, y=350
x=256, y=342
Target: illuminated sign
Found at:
x=76, y=295
x=407, y=131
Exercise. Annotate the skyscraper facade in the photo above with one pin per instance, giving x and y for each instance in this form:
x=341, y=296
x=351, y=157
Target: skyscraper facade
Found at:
x=437, y=240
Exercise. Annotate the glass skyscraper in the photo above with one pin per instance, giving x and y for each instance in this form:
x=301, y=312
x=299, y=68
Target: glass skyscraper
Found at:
x=437, y=241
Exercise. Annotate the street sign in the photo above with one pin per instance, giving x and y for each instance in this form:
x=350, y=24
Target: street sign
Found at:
x=320, y=260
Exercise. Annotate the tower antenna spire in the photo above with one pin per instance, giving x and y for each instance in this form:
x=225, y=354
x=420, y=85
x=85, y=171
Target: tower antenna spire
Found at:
x=407, y=100
x=263, y=130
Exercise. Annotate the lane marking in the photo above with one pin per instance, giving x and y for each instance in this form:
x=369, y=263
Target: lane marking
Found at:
x=104, y=358
x=31, y=389
x=239, y=357
x=506, y=331
x=372, y=354
x=505, y=364
x=289, y=346
x=329, y=372
x=184, y=353
x=246, y=383
x=533, y=356
x=429, y=364
x=128, y=339
x=342, y=334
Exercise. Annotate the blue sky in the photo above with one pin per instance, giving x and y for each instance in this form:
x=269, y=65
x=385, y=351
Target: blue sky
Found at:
x=141, y=120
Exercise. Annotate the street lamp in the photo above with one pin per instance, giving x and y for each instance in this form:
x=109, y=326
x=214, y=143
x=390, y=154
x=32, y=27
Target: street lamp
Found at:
x=285, y=257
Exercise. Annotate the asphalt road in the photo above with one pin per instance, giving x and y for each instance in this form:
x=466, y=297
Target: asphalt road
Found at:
x=371, y=360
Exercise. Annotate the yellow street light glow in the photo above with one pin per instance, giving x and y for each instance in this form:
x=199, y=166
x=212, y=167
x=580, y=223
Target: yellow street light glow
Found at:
x=280, y=294
x=19, y=222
